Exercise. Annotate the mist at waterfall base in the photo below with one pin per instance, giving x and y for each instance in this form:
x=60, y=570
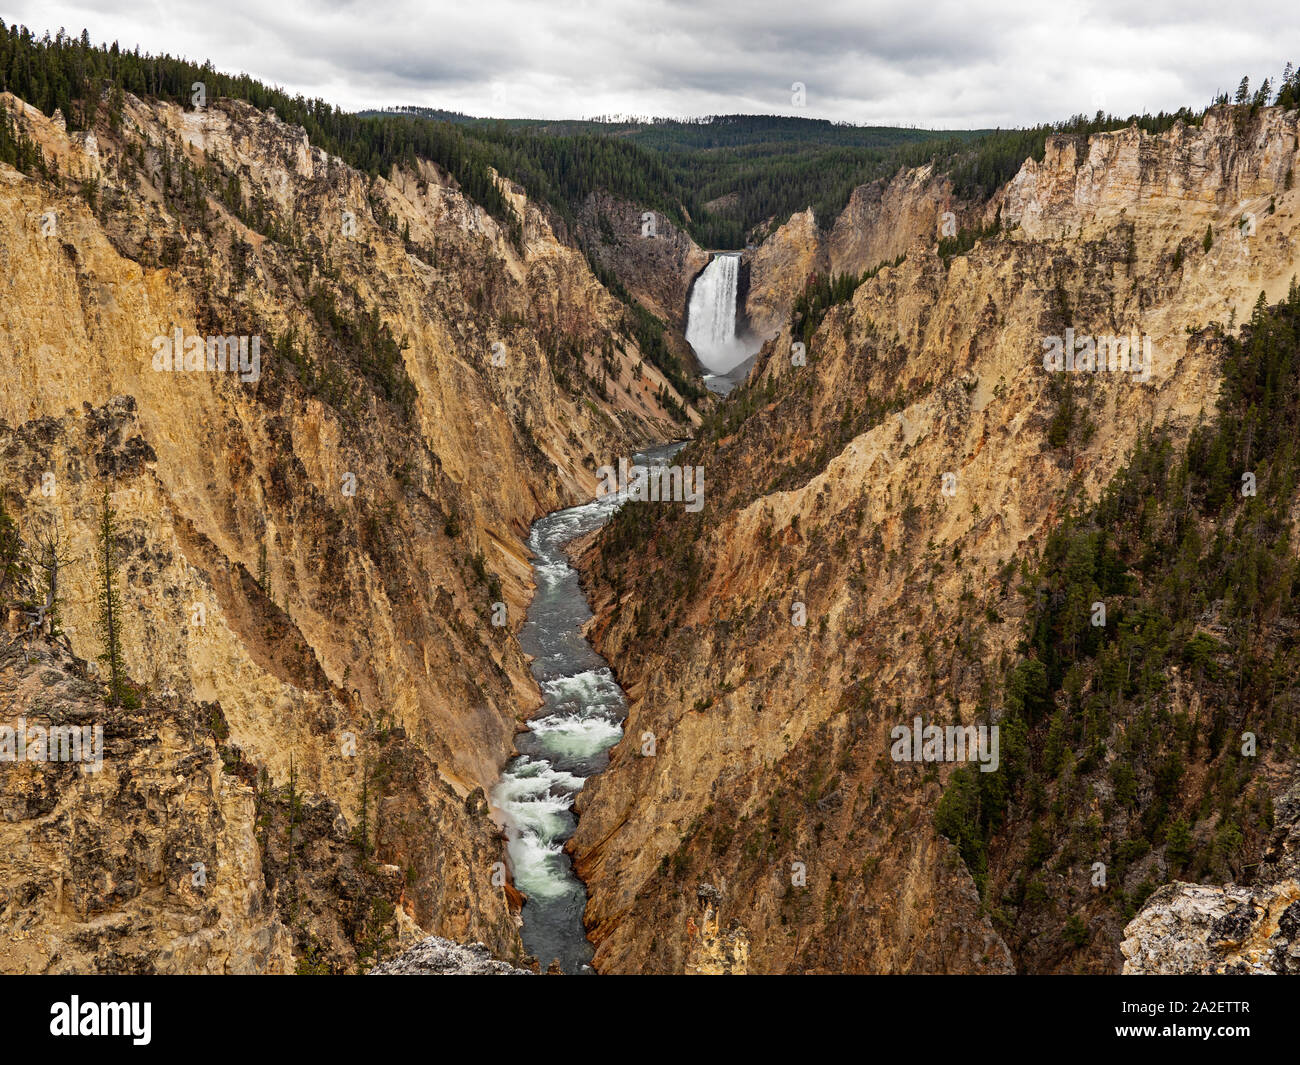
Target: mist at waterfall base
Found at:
x=567, y=741
x=711, y=322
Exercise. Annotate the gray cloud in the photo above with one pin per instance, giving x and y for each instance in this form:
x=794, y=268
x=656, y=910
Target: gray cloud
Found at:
x=943, y=63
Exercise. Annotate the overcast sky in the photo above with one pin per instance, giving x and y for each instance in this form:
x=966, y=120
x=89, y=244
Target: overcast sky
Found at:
x=900, y=62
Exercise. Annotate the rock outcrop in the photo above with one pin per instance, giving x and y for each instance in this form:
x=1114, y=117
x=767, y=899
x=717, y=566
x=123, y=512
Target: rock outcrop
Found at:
x=778, y=270
x=712, y=950
x=1252, y=929
x=148, y=863
x=436, y=956
x=657, y=265
x=881, y=221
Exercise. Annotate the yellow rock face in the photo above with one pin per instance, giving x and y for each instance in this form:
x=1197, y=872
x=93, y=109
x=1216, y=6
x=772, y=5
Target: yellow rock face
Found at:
x=771, y=757
x=315, y=546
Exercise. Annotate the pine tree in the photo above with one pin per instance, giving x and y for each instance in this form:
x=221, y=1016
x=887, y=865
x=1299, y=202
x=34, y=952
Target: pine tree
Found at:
x=362, y=831
x=110, y=606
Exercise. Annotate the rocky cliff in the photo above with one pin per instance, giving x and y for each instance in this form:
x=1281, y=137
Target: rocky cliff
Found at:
x=653, y=258
x=1237, y=929
x=879, y=223
x=321, y=552
x=855, y=564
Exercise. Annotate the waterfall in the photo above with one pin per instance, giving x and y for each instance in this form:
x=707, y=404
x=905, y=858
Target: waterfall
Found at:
x=711, y=316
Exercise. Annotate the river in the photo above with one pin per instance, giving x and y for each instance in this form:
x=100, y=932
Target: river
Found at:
x=568, y=739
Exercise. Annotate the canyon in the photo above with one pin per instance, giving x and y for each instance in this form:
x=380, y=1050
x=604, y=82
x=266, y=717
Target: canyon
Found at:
x=771, y=786
x=338, y=712
x=312, y=558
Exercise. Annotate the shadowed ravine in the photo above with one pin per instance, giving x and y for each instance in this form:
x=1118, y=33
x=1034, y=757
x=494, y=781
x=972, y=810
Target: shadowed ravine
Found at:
x=567, y=740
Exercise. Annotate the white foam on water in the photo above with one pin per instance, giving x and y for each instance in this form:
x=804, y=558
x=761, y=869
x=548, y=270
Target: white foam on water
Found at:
x=577, y=737
x=536, y=798
x=532, y=777
x=553, y=572
x=544, y=820
x=589, y=686
x=537, y=867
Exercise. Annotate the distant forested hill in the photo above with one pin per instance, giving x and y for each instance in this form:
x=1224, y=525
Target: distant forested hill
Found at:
x=761, y=167
x=720, y=177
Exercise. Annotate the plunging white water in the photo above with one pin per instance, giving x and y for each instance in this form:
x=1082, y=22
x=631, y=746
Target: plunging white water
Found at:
x=711, y=316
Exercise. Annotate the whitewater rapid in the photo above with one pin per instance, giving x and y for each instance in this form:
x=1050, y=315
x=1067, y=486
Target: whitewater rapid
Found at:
x=567, y=740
